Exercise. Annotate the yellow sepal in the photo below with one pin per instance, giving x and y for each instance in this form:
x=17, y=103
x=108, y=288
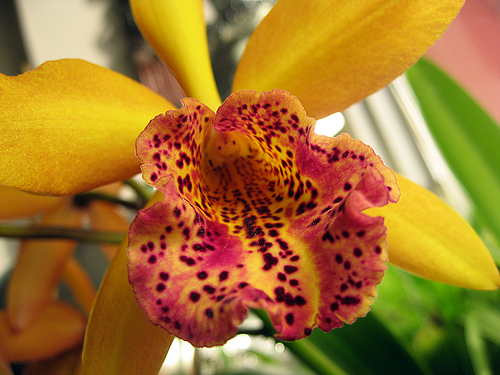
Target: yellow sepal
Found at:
x=120, y=339
x=176, y=31
x=427, y=238
x=331, y=54
x=69, y=126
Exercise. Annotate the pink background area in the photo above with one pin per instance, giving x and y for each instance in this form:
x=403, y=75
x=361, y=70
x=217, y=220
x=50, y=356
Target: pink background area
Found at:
x=470, y=52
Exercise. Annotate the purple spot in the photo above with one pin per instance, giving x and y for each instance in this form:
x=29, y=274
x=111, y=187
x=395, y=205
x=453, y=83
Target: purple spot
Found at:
x=177, y=212
x=289, y=318
x=290, y=269
x=209, y=289
x=186, y=233
x=199, y=247
x=160, y=287
x=348, y=300
x=188, y=261
x=357, y=252
x=209, y=313
x=270, y=261
x=209, y=247
x=280, y=294
x=328, y=236
x=152, y=259
x=300, y=301
x=194, y=296
x=223, y=275
x=202, y=275
x=283, y=244
x=315, y=221
x=164, y=276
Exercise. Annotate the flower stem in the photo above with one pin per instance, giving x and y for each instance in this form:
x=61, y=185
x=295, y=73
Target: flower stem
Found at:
x=83, y=198
x=37, y=232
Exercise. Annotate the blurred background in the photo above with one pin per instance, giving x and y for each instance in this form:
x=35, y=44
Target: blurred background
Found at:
x=445, y=330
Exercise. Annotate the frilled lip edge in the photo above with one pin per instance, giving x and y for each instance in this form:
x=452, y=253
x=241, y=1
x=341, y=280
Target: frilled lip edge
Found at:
x=358, y=265
x=257, y=299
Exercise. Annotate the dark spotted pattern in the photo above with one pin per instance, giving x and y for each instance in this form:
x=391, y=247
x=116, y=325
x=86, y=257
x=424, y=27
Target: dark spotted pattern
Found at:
x=258, y=212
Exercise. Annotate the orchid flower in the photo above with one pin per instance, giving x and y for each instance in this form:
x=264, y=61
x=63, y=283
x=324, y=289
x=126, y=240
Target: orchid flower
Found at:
x=256, y=210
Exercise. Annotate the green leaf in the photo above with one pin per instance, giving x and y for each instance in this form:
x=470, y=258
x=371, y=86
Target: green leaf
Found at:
x=365, y=347
x=468, y=137
x=476, y=346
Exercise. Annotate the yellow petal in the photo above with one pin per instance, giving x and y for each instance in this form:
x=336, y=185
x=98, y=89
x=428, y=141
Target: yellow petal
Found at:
x=16, y=203
x=331, y=54
x=120, y=339
x=427, y=238
x=69, y=126
x=58, y=328
x=176, y=31
x=106, y=217
x=39, y=269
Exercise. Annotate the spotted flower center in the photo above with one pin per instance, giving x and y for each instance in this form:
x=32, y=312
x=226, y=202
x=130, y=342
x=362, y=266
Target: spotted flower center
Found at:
x=258, y=212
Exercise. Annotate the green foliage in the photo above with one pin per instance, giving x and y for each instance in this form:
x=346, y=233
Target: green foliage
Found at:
x=467, y=136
